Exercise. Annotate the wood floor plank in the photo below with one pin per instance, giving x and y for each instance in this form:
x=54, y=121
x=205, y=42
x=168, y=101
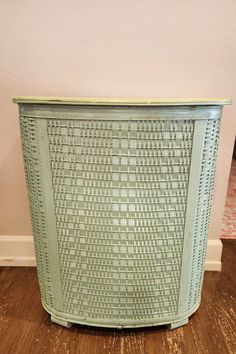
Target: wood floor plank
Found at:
x=25, y=328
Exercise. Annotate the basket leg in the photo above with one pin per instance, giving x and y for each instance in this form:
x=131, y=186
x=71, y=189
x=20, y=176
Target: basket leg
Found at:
x=178, y=324
x=61, y=322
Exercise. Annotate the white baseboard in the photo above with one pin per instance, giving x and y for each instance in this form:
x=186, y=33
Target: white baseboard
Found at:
x=19, y=251
x=214, y=251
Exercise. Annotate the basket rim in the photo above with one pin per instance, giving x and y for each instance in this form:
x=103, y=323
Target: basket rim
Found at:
x=113, y=101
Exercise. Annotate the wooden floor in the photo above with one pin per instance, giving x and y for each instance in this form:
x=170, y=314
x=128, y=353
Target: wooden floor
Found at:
x=26, y=328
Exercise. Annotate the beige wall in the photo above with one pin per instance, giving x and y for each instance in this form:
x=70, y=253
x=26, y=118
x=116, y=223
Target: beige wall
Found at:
x=163, y=48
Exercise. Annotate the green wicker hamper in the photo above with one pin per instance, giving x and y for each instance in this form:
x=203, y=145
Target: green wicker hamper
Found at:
x=120, y=196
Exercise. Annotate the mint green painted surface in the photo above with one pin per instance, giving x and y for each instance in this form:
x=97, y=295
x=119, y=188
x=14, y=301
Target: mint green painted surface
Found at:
x=120, y=200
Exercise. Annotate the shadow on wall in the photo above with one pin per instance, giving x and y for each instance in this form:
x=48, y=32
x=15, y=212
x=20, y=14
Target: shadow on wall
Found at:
x=14, y=208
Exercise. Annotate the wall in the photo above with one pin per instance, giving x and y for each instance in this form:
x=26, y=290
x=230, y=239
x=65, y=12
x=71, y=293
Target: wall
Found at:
x=129, y=48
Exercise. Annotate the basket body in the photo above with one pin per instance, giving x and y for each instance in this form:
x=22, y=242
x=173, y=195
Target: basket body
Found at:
x=120, y=200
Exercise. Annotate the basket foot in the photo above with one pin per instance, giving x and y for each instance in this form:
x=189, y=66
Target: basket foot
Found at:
x=178, y=324
x=61, y=322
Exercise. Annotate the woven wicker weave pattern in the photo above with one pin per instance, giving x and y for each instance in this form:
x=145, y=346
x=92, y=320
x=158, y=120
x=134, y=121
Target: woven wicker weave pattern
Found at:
x=207, y=175
x=120, y=192
x=33, y=172
x=120, y=202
